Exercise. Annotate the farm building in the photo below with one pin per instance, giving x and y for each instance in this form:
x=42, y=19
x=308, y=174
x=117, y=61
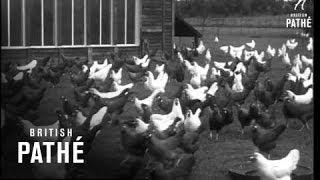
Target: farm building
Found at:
x=88, y=29
x=84, y=28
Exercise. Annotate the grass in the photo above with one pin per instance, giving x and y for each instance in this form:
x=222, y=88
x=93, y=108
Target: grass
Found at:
x=213, y=159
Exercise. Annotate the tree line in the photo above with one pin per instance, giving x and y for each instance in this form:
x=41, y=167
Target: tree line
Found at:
x=235, y=8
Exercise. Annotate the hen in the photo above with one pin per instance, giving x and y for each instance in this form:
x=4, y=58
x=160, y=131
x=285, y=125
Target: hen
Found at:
x=276, y=169
x=264, y=139
x=219, y=118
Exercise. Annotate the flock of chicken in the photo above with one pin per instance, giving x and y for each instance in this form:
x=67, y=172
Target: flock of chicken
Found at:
x=164, y=134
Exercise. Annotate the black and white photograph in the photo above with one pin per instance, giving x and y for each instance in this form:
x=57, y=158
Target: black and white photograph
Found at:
x=157, y=89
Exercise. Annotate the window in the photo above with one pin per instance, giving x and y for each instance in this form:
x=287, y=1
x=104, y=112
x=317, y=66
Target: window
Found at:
x=93, y=21
x=131, y=11
x=4, y=23
x=15, y=23
x=33, y=22
x=119, y=18
x=106, y=22
x=78, y=22
x=48, y=22
x=69, y=23
x=64, y=22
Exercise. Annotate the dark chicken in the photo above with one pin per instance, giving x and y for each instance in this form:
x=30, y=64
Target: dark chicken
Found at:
x=269, y=93
x=264, y=139
x=244, y=117
x=68, y=108
x=302, y=112
x=219, y=118
x=264, y=119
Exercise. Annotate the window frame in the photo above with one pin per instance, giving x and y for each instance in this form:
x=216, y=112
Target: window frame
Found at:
x=84, y=45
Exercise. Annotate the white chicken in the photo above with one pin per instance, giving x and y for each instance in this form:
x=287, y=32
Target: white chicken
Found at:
x=259, y=57
x=248, y=54
x=203, y=71
x=276, y=169
x=310, y=44
x=286, y=60
x=292, y=77
x=141, y=126
x=85, y=68
x=162, y=122
x=180, y=57
x=240, y=68
x=97, y=67
x=146, y=63
x=191, y=68
x=153, y=84
x=236, y=52
x=208, y=55
x=295, y=70
x=18, y=76
x=199, y=93
x=102, y=74
x=201, y=48
x=291, y=44
x=305, y=75
x=118, y=87
x=308, y=82
x=195, y=80
x=271, y=51
x=107, y=95
x=213, y=89
x=301, y=99
x=307, y=61
x=28, y=66
x=138, y=61
x=251, y=44
x=98, y=117
x=216, y=39
x=192, y=121
x=159, y=69
x=116, y=76
x=214, y=73
x=219, y=65
x=237, y=83
x=282, y=51
x=225, y=49
x=147, y=101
